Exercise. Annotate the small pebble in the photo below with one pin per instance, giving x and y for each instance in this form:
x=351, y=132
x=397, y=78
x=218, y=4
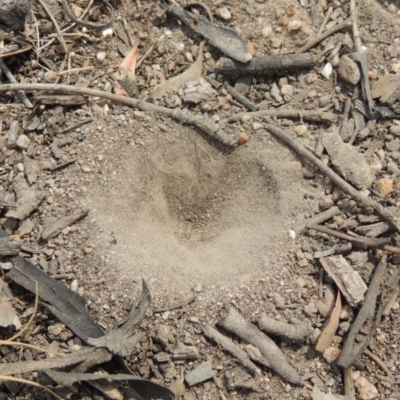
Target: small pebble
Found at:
x=373, y=75
x=384, y=186
x=101, y=56
x=257, y=126
x=223, y=13
x=287, y=90
x=327, y=70
x=138, y=114
x=295, y=25
x=267, y=31
x=395, y=130
x=50, y=200
x=392, y=8
x=348, y=70
x=395, y=68
x=243, y=138
x=300, y=130
x=23, y=142
x=20, y=167
x=74, y=285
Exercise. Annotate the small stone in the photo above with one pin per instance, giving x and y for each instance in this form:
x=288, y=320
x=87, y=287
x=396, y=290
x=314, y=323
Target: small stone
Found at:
x=200, y=374
x=50, y=200
x=74, y=285
x=326, y=202
x=311, y=78
x=195, y=320
x=223, y=13
x=287, y=90
x=300, y=130
x=23, y=142
x=392, y=8
x=246, y=118
x=395, y=130
x=279, y=301
x=243, y=138
x=365, y=389
x=101, y=56
x=348, y=70
x=267, y=31
x=326, y=71
x=373, y=75
x=257, y=126
x=344, y=326
x=161, y=357
x=189, y=57
x=138, y=114
x=384, y=186
x=395, y=68
x=20, y=167
x=26, y=227
x=332, y=354
x=295, y=25
x=301, y=282
x=310, y=309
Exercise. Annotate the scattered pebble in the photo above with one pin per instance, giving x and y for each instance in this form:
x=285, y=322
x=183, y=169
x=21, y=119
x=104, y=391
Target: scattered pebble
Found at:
x=395, y=68
x=243, y=138
x=327, y=70
x=224, y=13
x=365, y=389
x=267, y=31
x=348, y=70
x=23, y=142
x=384, y=186
x=300, y=130
x=392, y=8
x=257, y=126
x=101, y=56
x=295, y=25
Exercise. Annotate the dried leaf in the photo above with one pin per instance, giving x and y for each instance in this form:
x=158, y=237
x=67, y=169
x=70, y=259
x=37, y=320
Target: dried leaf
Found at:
x=328, y=333
x=8, y=316
x=176, y=82
x=127, y=67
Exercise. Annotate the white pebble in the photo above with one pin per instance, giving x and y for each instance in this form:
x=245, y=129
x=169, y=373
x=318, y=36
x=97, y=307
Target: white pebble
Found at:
x=292, y=234
x=224, y=13
x=327, y=70
x=392, y=8
x=74, y=285
x=301, y=130
x=295, y=25
x=267, y=31
x=287, y=90
x=101, y=56
x=257, y=126
x=20, y=167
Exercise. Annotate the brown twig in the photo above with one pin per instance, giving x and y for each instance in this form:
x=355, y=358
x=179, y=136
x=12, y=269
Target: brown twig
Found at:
x=324, y=35
x=349, y=354
x=326, y=19
x=379, y=362
x=10, y=77
x=241, y=98
x=203, y=123
x=359, y=241
x=310, y=115
x=335, y=178
x=182, y=304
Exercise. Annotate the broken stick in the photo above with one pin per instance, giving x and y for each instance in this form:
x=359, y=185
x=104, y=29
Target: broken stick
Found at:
x=228, y=345
x=264, y=64
x=233, y=322
x=203, y=123
x=367, y=311
x=336, y=179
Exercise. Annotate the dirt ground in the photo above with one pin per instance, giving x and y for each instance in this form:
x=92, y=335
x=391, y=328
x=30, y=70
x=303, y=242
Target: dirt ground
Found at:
x=193, y=217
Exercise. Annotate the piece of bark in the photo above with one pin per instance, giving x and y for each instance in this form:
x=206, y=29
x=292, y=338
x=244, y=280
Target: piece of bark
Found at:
x=27, y=205
x=191, y=74
x=348, y=281
x=146, y=389
x=255, y=355
x=6, y=248
x=374, y=230
x=121, y=340
x=98, y=356
x=13, y=13
x=367, y=312
x=386, y=89
x=63, y=100
x=264, y=64
x=232, y=348
x=31, y=170
x=183, y=352
x=201, y=373
x=317, y=219
x=291, y=332
x=233, y=322
x=327, y=335
x=307, y=115
x=65, y=304
x=226, y=40
x=54, y=229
